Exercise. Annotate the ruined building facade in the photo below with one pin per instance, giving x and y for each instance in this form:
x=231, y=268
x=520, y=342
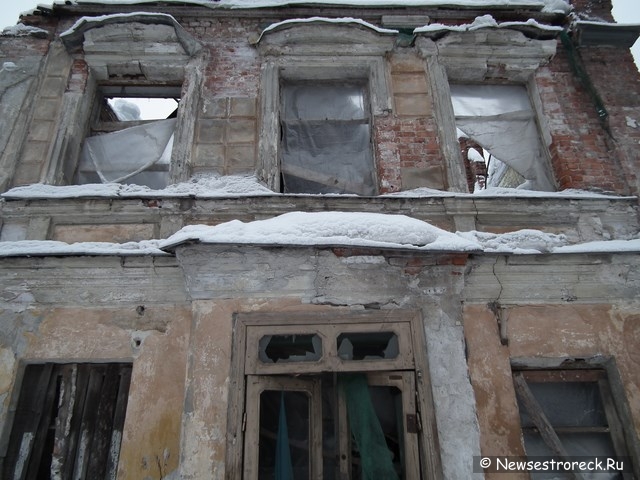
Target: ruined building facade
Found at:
x=361, y=334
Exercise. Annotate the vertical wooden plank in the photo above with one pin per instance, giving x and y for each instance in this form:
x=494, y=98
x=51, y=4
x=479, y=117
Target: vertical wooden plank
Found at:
x=236, y=395
x=26, y=420
x=80, y=388
x=101, y=441
x=428, y=443
x=63, y=421
x=343, y=435
x=118, y=421
x=49, y=408
x=87, y=424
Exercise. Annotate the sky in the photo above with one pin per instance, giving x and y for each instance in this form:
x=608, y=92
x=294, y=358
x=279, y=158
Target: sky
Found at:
x=624, y=11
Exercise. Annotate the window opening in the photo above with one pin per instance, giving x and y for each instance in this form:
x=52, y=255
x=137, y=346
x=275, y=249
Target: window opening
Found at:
x=499, y=121
x=326, y=139
x=131, y=137
x=367, y=345
x=68, y=422
x=354, y=424
x=290, y=348
x=567, y=413
x=150, y=108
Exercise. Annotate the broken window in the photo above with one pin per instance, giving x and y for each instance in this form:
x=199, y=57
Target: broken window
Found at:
x=131, y=136
x=68, y=422
x=331, y=400
x=499, y=119
x=326, y=139
x=290, y=348
x=367, y=345
x=569, y=413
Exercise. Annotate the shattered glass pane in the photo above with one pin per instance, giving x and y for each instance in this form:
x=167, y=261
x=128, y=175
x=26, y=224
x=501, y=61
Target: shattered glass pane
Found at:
x=290, y=348
x=368, y=346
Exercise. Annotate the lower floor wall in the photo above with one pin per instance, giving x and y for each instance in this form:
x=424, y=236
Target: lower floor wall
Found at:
x=184, y=353
x=548, y=337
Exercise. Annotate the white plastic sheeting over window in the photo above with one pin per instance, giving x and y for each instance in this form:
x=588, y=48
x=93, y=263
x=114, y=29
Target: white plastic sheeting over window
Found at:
x=500, y=119
x=138, y=155
x=326, y=139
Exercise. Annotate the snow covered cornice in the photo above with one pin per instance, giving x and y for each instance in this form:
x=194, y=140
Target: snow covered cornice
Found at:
x=319, y=20
x=330, y=230
x=74, y=37
x=556, y=6
x=531, y=28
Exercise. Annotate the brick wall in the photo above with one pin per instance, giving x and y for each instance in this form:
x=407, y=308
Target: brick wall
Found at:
x=585, y=154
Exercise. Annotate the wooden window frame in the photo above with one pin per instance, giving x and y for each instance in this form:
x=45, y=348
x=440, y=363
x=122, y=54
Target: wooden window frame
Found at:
x=411, y=321
x=616, y=410
x=368, y=69
x=323, y=178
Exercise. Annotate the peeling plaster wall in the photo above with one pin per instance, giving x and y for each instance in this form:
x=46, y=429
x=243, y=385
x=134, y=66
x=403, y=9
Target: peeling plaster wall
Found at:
x=174, y=319
x=222, y=280
x=108, y=319
x=545, y=335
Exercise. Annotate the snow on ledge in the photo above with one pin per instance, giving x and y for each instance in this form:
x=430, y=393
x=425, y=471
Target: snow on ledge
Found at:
x=484, y=21
x=22, y=30
x=335, y=229
x=328, y=229
x=343, y=20
x=51, y=248
x=498, y=192
x=235, y=186
x=205, y=186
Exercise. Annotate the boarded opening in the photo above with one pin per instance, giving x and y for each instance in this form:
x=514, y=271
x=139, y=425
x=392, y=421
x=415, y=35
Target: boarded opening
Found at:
x=68, y=422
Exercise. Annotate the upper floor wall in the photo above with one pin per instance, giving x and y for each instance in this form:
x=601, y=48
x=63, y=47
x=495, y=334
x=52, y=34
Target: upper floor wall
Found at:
x=361, y=101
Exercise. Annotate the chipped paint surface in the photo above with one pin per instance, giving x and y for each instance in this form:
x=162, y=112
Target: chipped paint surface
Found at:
x=543, y=335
